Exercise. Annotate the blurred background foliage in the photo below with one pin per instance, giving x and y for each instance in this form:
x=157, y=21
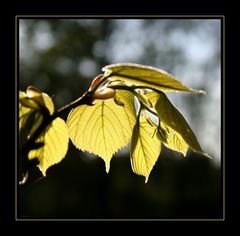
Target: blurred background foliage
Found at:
x=62, y=56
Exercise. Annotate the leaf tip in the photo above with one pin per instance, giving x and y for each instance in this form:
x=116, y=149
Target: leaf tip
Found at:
x=146, y=179
x=43, y=170
x=107, y=166
x=199, y=91
x=207, y=155
x=203, y=92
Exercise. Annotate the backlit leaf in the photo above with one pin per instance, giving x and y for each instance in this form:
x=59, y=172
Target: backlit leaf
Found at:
x=175, y=141
x=171, y=117
x=48, y=103
x=142, y=75
x=27, y=102
x=33, y=106
x=34, y=96
x=29, y=118
x=105, y=127
x=145, y=147
x=55, y=138
x=28, y=123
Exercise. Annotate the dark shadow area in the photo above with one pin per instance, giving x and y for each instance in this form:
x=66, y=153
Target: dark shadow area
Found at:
x=178, y=188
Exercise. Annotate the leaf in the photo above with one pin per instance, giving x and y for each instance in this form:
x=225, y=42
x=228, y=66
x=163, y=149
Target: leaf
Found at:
x=105, y=127
x=140, y=95
x=174, y=140
x=48, y=103
x=172, y=118
x=34, y=97
x=26, y=102
x=145, y=147
x=29, y=118
x=55, y=138
x=28, y=123
x=142, y=75
x=32, y=108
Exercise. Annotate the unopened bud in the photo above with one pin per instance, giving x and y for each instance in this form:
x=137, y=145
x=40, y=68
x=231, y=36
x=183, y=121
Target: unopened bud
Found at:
x=35, y=95
x=105, y=93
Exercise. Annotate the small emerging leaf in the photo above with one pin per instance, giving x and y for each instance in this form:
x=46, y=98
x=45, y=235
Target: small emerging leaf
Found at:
x=29, y=118
x=31, y=107
x=96, y=82
x=42, y=99
x=142, y=75
x=55, y=139
x=105, y=127
x=26, y=102
x=145, y=147
x=48, y=103
x=36, y=100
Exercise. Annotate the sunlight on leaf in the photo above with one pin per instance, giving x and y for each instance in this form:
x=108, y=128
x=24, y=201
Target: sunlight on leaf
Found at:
x=31, y=107
x=171, y=117
x=55, y=139
x=29, y=118
x=42, y=99
x=142, y=75
x=48, y=103
x=174, y=140
x=145, y=147
x=105, y=127
x=26, y=102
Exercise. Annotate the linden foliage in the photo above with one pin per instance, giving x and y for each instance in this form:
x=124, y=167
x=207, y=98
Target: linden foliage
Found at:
x=120, y=110
x=34, y=106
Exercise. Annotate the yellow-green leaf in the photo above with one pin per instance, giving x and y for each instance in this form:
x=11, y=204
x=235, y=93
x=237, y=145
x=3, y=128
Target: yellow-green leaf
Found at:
x=48, y=103
x=34, y=97
x=29, y=118
x=145, y=147
x=105, y=127
x=142, y=75
x=55, y=139
x=28, y=123
x=27, y=102
x=174, y=140
x=140, y=95
x=171, y=117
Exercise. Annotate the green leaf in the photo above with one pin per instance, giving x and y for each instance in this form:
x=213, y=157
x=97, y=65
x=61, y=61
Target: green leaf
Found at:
x=32, y=105
x=145, y=147
x=48, y=103
x=35, y=99
x=26, y=102
x=148, y=76
x=55, y=138
x=171, y=117
x=105, y=127
x=174, y=140
x=28, y=123
x=29, y=118
x=140, y=95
